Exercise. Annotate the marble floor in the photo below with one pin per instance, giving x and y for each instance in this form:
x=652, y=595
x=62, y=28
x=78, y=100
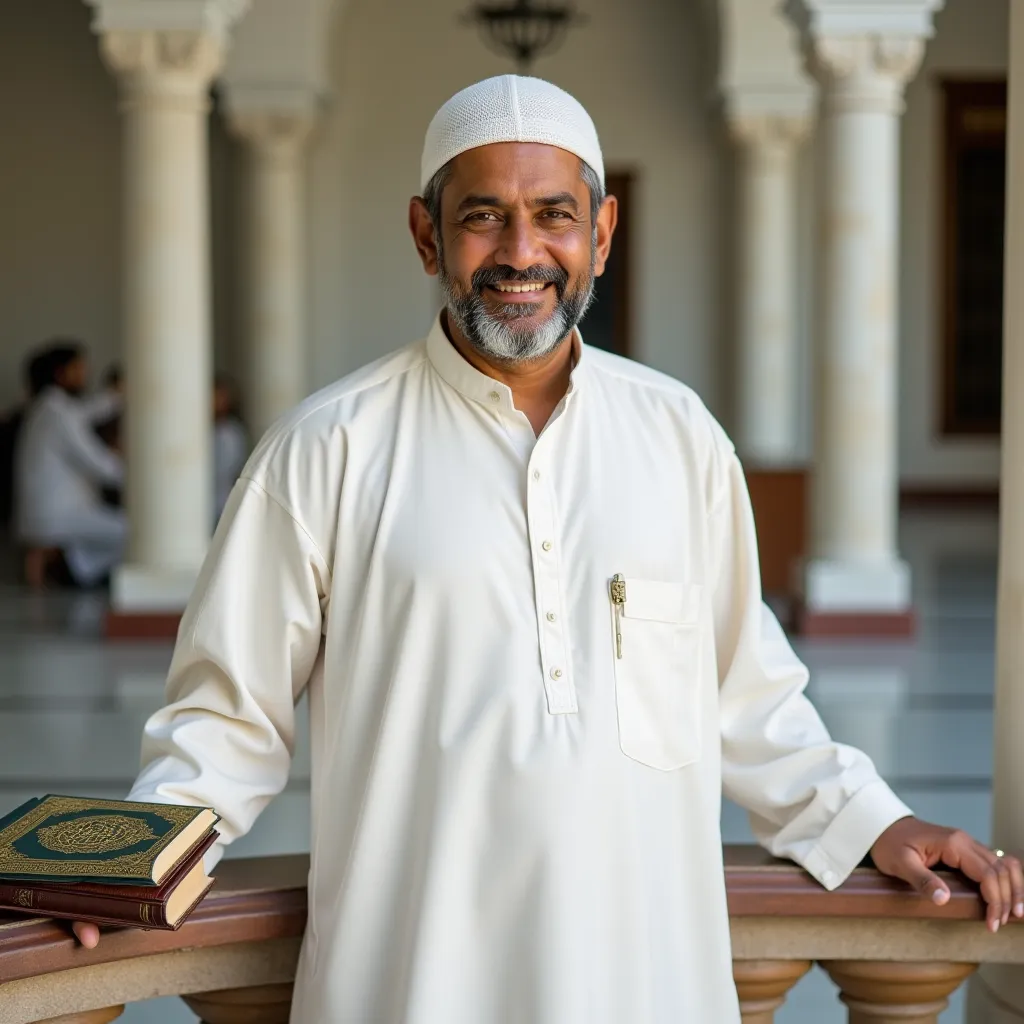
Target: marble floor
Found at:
x=72, y=708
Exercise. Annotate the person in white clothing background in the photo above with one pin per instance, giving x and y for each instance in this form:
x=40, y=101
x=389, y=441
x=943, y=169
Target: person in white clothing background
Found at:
x=518, y=578
x=61, y=467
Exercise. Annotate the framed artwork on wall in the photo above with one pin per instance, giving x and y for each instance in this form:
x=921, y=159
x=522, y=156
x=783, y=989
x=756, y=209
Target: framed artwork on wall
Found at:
x=971, y=286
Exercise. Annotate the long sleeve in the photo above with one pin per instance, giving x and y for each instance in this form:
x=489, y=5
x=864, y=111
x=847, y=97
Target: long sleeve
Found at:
x=89, y=454
x=100, y=406
x=247, y=645
x=810, y=799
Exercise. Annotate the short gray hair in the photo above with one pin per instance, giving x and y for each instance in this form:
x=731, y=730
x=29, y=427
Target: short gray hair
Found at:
x=432, y=193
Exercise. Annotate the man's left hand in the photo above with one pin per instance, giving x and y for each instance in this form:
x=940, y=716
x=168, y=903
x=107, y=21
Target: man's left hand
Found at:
x=909, y=848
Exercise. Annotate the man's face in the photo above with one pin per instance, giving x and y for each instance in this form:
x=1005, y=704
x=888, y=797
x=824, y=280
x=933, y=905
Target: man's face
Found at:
x=74, y=376
x=516, y=251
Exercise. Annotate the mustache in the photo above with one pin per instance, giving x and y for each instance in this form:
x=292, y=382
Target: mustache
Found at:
x=485, y=277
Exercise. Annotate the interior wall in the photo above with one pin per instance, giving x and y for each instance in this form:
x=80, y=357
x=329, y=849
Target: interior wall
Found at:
x=60, y=194
x=60, y=175
x=970, y=42
x=639, y=68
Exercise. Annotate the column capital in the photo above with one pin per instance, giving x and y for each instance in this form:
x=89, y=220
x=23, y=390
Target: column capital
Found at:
x=190, y=58
x=863, y=55
x=770, y=115
x=275, y=119
x=212, y=18
x=166, y=49
x=769, y=131
x=820, y=18
x=273, y=134
x=866, y=73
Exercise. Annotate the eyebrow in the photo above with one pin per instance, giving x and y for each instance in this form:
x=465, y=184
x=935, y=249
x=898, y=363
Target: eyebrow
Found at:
x=558, y=199
x=471, y=201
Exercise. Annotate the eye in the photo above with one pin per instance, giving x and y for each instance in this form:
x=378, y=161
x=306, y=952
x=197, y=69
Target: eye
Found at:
x=481, y=216
x=557, y=214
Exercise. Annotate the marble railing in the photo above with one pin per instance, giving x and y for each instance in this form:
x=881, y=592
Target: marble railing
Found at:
x=894, y=956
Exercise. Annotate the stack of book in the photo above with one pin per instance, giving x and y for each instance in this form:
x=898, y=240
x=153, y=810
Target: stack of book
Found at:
x=106, y=861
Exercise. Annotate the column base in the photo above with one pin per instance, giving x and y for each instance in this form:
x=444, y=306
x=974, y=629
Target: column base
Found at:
x=850, y=599
x=995, y=995
x=840, y=625
x=779, y=499
x=147, y=602
x=128, y=626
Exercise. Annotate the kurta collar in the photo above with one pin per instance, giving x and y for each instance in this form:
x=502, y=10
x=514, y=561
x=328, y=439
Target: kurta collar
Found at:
x=471, y=383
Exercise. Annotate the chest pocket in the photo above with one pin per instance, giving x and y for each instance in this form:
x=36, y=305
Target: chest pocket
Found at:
x=656, y=645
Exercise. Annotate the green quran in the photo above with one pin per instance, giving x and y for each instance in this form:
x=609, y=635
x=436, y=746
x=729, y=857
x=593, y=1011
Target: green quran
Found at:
x=78, y=839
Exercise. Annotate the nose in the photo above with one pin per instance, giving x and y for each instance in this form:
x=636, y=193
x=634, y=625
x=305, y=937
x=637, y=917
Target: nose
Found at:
x=518, y=245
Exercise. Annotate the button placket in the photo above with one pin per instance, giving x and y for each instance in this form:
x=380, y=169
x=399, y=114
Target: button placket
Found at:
x=558, y=683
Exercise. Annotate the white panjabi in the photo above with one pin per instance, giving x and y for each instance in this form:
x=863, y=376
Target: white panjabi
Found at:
x=509, y=108
x=515, y=790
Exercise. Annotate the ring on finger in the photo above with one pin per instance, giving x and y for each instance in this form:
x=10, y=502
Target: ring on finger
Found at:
x=999, y=853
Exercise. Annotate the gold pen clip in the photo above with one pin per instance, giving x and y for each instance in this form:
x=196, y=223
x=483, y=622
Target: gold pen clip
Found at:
x=618, y=589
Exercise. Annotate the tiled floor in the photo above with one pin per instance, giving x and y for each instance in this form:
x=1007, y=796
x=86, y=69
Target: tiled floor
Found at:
x=72, y=707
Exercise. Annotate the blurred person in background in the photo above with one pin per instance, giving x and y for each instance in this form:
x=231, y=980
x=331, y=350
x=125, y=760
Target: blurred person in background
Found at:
x=60, y=469
x=230, y=441
x=109, y=428
x=36, y=377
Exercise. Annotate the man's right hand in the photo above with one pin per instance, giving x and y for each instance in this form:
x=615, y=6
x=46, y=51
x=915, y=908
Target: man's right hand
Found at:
x=88, y=934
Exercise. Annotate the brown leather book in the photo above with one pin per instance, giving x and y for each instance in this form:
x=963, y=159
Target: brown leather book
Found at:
x=162, y=907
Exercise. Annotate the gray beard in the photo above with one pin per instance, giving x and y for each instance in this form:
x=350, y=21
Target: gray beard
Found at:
x=498, y=333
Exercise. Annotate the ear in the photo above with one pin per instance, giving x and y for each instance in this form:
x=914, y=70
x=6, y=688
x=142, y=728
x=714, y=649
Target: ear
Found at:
x=422, y=229
x=607, y=219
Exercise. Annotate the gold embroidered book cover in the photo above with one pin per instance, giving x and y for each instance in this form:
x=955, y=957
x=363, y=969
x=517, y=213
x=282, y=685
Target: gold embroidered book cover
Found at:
x=79, y=839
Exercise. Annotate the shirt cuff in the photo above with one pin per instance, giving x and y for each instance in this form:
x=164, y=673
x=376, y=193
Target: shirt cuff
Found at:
x=853, y=832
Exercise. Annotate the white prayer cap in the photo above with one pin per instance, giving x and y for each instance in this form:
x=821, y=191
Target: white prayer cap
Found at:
x=509, y=108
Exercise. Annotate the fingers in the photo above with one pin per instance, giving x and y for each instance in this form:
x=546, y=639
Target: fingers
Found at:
x=1013, y=865
x=912, y=869
x=1008, y=874
x=984, y=867
x=1011, y=883
x=88, y=934
x=1005, y=887
x=1000, y=877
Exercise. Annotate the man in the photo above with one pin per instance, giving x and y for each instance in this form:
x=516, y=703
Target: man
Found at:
x=61, y=467
x=519, y=579
x=36, y=377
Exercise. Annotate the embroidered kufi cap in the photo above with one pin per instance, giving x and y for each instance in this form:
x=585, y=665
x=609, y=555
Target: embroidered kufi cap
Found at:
x=509, y=108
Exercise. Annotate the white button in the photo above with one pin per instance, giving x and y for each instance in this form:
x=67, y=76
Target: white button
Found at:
x=495, y=397
x=536, y=474
x=552, y=616
x=829, y=877
x=556, y=673
x=547, y=545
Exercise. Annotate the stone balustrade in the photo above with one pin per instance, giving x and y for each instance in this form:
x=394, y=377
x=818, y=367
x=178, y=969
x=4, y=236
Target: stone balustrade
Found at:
x=894, y=956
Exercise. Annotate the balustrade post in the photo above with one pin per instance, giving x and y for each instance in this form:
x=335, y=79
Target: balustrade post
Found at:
x=103, y=1016
x=763, y=985
x=261, y=1004
x=879, y=992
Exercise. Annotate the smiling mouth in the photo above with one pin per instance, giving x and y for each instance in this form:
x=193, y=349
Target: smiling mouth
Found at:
x=532, y=286
x=517, y=293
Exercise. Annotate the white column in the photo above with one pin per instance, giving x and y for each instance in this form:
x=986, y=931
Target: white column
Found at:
x=165, y=76
x=274, y=260
x=1007, y=983
x=854, y=565
x=767, y=366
